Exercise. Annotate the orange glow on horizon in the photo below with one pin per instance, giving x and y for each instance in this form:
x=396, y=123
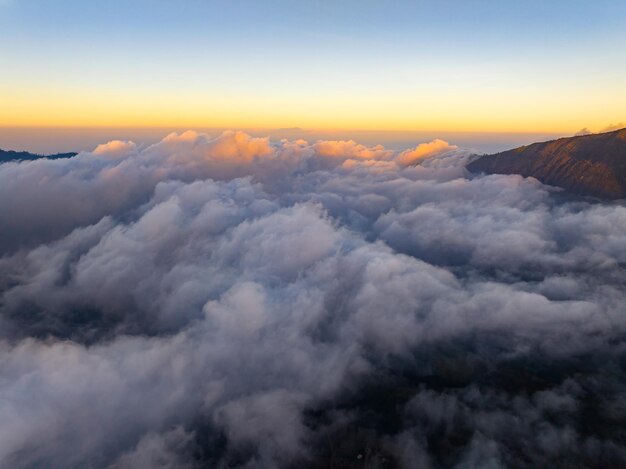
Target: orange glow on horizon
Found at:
x=497, y=112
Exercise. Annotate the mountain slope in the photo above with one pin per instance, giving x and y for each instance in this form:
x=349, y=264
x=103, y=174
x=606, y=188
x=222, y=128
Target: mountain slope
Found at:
x=593, y=165
x=9, y=155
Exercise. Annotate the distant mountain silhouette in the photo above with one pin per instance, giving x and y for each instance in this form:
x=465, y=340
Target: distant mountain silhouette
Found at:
x=9, y=155
x=593, y=165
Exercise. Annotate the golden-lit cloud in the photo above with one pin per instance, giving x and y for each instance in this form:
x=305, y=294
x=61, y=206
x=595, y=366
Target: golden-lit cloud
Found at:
x=424, y=150
x=114, y=148
x=350, y=148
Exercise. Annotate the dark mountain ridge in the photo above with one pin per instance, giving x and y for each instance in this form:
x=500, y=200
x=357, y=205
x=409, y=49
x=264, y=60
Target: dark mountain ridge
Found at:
x=591, y=165
x=10, y=155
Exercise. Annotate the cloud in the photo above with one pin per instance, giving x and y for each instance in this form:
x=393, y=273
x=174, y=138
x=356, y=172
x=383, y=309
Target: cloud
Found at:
x=161, y=451
x=612, y=127
x=229, y=301
x=424, y=150
x=609, y=128
x=115, y=148
x=349, y=149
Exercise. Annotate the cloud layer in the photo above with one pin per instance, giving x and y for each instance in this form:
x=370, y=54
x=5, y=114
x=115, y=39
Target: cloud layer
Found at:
x=230, y=301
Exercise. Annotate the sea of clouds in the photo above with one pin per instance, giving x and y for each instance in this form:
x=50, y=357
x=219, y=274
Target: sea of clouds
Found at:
x=229, y=301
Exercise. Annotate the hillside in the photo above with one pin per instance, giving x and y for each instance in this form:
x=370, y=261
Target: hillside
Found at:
x=9, y=155
x=593, y=165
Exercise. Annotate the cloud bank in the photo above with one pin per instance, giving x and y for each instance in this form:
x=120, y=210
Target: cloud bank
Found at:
x=229, y=301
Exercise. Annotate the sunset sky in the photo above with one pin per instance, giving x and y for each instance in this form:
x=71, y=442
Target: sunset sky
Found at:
x=456, y=66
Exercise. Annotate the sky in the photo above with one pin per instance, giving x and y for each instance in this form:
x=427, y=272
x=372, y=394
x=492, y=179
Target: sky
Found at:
x=431, y=66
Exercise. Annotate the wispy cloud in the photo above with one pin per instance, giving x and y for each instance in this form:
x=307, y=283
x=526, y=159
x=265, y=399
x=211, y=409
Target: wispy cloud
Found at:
x=610, y=128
